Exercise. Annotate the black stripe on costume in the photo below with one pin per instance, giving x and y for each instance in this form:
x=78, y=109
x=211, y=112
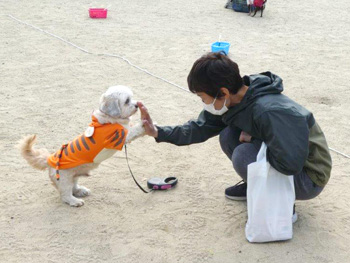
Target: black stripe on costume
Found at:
x=121, y=139
x=92, y=140
x=84, y=142
x=116, y=136
x=77, y=144
x=72, y=147
x=66, y=151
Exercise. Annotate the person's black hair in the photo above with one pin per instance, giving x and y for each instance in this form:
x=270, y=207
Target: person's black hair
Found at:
x=214, y=71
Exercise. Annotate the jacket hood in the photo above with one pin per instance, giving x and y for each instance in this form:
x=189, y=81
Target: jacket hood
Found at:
x=259, y=85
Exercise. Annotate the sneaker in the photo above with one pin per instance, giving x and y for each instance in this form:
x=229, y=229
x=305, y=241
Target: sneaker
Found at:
x=295, y=215
x=237, y=192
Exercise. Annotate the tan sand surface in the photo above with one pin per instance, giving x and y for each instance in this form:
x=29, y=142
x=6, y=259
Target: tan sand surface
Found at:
x=49, y=88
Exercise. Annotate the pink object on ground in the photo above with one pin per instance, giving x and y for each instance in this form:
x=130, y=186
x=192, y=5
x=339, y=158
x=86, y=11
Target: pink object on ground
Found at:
x=98, y=12
x=258, y=3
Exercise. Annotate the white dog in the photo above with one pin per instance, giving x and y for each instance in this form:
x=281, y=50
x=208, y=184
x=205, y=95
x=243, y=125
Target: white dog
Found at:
x=107, y=134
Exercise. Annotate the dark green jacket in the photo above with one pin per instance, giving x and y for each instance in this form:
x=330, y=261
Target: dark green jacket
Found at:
x=294, y=139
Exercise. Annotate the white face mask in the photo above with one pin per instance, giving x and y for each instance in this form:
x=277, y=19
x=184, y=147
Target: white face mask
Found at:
x=210, y=108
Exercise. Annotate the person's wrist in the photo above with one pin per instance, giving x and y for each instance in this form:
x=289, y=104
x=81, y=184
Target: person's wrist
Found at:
x=155, y=134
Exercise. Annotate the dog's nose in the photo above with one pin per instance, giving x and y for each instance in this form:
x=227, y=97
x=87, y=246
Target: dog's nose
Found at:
x=136, y=106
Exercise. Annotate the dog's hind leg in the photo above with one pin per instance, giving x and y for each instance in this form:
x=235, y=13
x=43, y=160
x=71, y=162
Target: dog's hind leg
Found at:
x=79, y=190
x=65, y=186
x=249, y=9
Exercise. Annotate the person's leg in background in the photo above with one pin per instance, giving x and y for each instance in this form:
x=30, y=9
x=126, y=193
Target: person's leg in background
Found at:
x=250, y=4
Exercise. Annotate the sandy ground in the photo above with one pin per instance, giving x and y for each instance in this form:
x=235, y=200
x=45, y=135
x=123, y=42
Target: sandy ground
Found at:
x=50, y=88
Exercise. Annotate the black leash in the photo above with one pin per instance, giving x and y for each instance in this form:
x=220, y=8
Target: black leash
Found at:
x=127, y=161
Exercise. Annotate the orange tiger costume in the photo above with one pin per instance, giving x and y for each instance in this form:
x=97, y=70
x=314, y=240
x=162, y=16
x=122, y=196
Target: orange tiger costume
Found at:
x=102, y=143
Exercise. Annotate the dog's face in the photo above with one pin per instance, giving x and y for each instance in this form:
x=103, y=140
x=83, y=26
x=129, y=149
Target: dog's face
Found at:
x=117, y=102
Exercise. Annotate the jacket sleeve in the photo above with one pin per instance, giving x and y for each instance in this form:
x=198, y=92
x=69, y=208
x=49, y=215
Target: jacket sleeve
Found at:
x=195, y=131
x=287, y=139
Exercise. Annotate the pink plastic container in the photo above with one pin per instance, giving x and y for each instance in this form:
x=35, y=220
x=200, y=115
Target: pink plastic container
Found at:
x=98, y=12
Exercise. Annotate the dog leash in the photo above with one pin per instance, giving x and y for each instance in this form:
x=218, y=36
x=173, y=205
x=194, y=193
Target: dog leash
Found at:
x=127, y=161
x=153, y=183
x=64, y=146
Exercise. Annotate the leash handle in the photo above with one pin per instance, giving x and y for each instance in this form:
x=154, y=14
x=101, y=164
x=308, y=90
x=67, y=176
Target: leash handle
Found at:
x=127, y=161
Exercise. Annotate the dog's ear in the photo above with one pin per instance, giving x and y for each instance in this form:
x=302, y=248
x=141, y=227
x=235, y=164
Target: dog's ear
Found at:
x=110, y=106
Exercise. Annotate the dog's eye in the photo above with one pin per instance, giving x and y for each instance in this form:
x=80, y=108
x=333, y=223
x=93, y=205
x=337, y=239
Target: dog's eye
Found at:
x=127, y=101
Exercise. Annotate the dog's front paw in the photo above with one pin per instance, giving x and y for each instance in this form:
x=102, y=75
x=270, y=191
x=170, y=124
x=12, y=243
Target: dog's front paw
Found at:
x=135, y=132
x=81, y=191
x=141, y=130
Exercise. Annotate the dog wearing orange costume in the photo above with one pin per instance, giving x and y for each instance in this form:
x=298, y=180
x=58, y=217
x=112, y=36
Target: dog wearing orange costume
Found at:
x=105, y=135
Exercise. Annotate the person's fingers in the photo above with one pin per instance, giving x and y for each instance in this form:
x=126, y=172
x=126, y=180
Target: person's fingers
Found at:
x=149, y=128
x=144, y=107
x=144, y=113
x=147, y=125
x=144, y=110
x=140, y=104
x=243, y=139
x=146, y=116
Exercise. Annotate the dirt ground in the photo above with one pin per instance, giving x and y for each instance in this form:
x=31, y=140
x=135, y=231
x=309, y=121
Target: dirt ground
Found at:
x=50, y=88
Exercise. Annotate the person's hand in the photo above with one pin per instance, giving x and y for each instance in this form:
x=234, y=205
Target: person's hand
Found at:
x=245, y=137
x=150, y=128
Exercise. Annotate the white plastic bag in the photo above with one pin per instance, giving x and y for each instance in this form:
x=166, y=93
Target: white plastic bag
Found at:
x=270, y=201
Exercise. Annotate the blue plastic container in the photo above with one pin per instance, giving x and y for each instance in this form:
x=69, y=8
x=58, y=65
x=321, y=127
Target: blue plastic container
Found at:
x=220, y=46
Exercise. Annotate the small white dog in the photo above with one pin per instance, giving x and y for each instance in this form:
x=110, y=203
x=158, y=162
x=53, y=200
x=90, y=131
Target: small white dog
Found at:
x=107, y=134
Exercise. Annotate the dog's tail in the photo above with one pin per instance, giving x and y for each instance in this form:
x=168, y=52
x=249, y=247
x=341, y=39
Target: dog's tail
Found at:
x=35, y=157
